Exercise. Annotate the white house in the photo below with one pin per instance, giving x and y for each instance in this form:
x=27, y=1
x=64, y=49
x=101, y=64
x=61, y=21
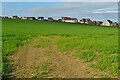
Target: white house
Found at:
x=107, y=23
x=23, y=17
x=15, y=17
x=70, y=20
x=82, y=21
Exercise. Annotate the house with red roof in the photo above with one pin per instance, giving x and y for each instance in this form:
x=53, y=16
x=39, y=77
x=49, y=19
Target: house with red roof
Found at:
x=69, y=19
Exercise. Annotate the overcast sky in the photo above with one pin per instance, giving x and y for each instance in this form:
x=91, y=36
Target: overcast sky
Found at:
x=94, y=10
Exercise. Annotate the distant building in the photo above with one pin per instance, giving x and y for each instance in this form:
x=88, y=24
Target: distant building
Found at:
x=59, y=20
x=31, y=18
x=24, y=17
x=86, y=21
x=118, y=24
x=15, y=17
x=107, y=23
x=6, y=17
x=70, y=20
x=40, y=18
x=50, y=19
x=56, y=20
x=99, y=23
x=82, y=21
x=45, y=19
x=94, y=22
x=114, y=24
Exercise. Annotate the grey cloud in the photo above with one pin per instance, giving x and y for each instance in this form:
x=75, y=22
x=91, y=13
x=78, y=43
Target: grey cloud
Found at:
x=79, y=10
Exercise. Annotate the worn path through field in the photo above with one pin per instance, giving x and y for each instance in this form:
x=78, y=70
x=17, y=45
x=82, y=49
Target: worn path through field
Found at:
x=48, y=61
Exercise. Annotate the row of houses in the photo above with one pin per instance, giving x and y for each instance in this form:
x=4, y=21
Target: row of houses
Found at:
x=34, y=18
x=89, y=21
x=72, y=20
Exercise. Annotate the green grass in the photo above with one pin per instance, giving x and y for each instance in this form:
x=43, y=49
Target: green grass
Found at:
x=87, y=55
x=91, y=43
x=10, y=44
x=41, y=43
x=47, y=28
x=0, y=45
x=102, y=50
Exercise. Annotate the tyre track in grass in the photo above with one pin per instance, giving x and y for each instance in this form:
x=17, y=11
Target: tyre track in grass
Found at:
x=68, y=66
x=28, y=60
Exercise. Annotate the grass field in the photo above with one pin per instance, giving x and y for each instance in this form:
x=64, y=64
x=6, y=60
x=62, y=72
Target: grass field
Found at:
x=93, y=44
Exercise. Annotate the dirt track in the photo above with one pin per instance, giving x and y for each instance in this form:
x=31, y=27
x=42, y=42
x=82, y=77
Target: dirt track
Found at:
x=50, y=62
